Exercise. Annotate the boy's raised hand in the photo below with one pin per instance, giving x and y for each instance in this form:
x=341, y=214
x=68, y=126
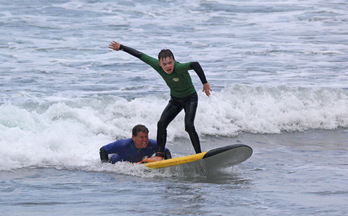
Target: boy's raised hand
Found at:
x=115, y=46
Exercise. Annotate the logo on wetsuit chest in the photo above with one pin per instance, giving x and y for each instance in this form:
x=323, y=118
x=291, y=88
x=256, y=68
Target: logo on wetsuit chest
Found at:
x=175, y=79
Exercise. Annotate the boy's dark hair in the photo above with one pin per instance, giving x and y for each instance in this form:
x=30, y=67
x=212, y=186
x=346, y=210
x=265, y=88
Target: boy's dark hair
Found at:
x=139, y=128
x=165, y=53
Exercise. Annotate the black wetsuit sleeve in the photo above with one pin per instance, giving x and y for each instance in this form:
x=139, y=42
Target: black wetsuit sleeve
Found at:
x=131, y=51
x=104, y=156
x=198, y=69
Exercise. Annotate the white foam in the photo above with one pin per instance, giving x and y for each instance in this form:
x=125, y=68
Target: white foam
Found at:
x=273, y=109
x=70, y=133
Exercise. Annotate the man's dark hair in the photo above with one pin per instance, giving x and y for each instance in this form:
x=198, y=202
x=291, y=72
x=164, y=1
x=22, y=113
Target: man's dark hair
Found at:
x=139, y=128
x=165, y=53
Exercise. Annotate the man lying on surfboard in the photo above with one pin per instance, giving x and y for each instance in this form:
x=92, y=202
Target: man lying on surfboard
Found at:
x=134, y=149
x=182, y=92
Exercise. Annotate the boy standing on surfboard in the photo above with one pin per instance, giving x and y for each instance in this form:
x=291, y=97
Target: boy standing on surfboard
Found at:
x=182, y=92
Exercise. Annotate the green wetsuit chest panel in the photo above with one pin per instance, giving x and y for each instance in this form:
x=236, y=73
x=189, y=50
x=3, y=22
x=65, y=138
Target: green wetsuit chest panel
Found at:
x=179, y=81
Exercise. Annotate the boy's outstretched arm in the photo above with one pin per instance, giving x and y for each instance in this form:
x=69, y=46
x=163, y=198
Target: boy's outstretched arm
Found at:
x=117, y=46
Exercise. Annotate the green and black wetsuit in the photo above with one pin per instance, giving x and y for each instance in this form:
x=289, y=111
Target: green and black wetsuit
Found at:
x=183, y=96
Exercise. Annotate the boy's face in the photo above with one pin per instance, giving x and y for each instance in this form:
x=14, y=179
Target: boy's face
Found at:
x=167, y=64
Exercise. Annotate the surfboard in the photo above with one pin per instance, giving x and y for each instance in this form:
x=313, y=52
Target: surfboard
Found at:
x=216, y=158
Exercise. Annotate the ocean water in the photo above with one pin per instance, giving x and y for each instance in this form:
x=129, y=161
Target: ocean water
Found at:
x=279, y=75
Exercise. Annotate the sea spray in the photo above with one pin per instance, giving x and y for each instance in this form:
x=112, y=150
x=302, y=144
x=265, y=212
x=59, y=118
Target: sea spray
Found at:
x=72, y=131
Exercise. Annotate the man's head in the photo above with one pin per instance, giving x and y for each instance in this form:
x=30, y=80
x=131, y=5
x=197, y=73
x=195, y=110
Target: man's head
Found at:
x=140, y=136
x=166, y=60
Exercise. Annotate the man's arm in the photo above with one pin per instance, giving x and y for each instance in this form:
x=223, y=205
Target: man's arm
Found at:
x=111, y=148
x=104, y=156
x=198, y=69
x=117, y=46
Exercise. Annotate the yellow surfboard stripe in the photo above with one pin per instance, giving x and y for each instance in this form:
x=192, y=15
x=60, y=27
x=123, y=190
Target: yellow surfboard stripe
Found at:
x=175, y=161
